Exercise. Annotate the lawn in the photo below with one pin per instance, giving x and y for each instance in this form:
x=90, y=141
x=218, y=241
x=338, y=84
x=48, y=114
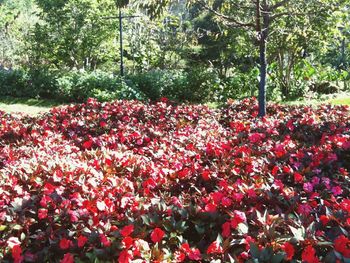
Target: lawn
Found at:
x=33, y=107
x=129, y=181
x=28, y=106
x=341, y=101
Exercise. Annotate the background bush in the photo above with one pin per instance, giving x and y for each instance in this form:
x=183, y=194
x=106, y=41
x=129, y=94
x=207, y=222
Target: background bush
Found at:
x=194, y=85
x=66, y=86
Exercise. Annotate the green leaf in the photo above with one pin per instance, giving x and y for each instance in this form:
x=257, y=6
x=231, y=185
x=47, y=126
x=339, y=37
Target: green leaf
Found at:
x=266, y=254
x=145, y=219
x=219, y=239
x=2, y=228
x=17, y=227
x=254, y=250
x=200, y=229
x=121, y=3
x=243, y=228
x=232, y=260
x=298, y=233
x=278, y=257
x=331, y=257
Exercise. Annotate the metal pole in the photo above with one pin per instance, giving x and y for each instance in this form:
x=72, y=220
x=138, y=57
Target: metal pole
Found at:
x=121, y=43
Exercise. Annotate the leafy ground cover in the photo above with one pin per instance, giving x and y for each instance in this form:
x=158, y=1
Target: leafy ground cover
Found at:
x=133, y=182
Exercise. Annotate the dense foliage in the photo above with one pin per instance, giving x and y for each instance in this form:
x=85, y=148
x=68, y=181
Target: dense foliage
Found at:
x=307, y=51
x=193, y=86
x=133, y=182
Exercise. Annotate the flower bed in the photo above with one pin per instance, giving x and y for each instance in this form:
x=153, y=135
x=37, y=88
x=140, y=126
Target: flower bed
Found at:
x=134, y=182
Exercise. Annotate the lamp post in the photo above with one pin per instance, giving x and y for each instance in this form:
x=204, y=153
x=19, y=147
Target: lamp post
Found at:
x=120, y=18
x=121, y=43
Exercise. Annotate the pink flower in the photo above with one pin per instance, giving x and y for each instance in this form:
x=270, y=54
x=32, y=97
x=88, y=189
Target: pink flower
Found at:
x=337, y=190
x=42, y=213
x=308, y=187
x=13, y=241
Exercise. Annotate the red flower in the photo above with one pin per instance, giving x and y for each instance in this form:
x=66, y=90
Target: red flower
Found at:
x=195, y=254
x=239, y=217
x=68, y=258
x=256, y=137
x=16, y=254
x=104, y=240
x=88, y=144
x=82, y=241
x=298, y=177
x=125, y=256
x=210, y=208
x=65, y=243
x=206, y=175
x=342, y=245
x=192, y=253
x=215, y=248
x=42, y=213
x=226, y=229
x=289, y=249
x=179, y=256
x=304, y=209
x=127, y=242
x=324, y=219
x=127, y=230
x=157, y=235
x=309, y=256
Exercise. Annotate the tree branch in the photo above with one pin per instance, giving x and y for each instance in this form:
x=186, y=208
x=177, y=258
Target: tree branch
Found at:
x=232, y=21
x=278, y=4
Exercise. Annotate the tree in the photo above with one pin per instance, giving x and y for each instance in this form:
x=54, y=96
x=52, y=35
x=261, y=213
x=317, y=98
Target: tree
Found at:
x=259, y=18
x=73, y=34
x=17, y=18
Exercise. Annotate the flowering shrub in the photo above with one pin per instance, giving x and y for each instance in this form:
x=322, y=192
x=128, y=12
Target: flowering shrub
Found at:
x=134, y=182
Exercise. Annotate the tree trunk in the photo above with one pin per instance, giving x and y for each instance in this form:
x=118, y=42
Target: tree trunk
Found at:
x=262, y=82
x=263, y=12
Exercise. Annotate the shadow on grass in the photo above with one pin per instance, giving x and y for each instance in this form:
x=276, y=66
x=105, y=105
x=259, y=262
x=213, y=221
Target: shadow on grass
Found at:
x=30, y=102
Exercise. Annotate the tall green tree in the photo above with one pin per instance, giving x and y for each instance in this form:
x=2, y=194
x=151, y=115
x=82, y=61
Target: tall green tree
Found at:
x=74, y=34
x=17, y=18
x=259, y=18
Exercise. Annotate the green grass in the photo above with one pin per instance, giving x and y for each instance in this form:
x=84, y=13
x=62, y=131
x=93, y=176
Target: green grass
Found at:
x=335, y=99
x=28, y=106
x=341, y=101
x=36, y=106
